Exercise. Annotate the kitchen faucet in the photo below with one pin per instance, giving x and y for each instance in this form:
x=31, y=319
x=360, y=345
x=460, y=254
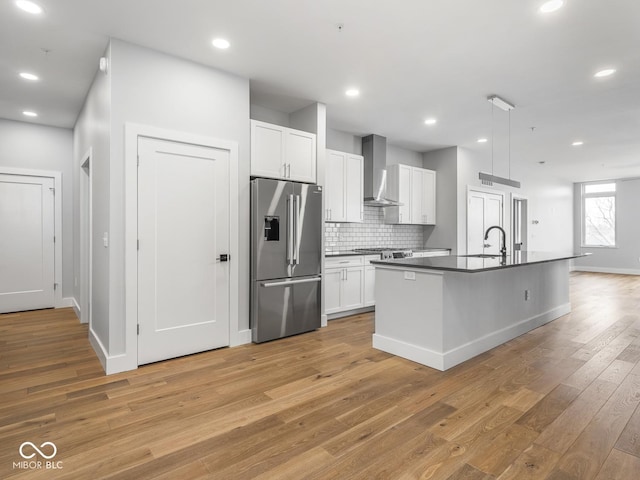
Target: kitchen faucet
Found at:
x=503, y=250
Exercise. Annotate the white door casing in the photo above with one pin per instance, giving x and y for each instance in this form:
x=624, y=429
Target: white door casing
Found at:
x=27, y=246
x=183, y=228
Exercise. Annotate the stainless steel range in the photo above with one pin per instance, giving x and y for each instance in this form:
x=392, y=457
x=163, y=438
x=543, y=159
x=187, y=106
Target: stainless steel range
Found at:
x=386, y=253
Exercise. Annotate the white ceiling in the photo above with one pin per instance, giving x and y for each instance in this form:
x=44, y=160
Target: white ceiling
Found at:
x=411, y=59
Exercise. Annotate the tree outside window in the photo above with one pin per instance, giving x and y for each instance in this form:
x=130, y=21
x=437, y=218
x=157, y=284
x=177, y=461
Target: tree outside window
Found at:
x=599, y=214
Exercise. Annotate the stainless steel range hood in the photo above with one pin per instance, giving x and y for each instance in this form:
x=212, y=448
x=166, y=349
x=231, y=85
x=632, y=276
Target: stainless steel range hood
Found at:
x=374, y=151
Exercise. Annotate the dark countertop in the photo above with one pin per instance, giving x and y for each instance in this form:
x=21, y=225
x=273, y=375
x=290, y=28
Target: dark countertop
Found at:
x=474, y=264
x=345, y=253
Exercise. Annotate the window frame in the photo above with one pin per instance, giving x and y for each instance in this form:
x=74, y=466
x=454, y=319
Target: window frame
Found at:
x=584, y=196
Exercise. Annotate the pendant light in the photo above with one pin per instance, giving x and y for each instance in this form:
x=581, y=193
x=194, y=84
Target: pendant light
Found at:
x=490, y=179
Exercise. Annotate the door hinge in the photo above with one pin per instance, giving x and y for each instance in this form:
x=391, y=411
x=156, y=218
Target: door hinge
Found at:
x=53, y=190
x=138, y=245
x=138, y=329
x=138, y=160
x=55, y=286
x=54, y=239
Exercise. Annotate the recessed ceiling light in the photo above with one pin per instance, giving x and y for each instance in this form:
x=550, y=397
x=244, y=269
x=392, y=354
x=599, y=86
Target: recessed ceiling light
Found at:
x=430, y=121
x=28, y=113
x=605, y=73
x=352, y=92
x=221, y=43
x=29, y=76
x=551, y=6
x=29, y=7
x=483, y=140
x=577, y=143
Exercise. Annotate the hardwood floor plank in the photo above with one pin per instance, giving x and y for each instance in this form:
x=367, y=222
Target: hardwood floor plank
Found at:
x=497, y=456
x=563, y=431
x=536, y=462
x=467, y=472
x=620, y=466
x=629, y=441
x=549, y=408
x=585, y=457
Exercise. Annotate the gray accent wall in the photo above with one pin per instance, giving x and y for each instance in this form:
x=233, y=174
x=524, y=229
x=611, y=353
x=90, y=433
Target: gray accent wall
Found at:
x=443, y=233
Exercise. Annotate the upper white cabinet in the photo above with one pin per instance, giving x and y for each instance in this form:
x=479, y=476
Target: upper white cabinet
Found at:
x=344, y=187
x=423, y=196
x=282, y=153
x=415, y=188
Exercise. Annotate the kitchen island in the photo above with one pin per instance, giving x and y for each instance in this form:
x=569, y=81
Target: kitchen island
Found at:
x=441, y=311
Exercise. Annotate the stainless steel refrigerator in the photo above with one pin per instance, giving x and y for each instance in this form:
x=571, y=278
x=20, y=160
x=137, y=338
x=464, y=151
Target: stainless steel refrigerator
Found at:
x=286, y=241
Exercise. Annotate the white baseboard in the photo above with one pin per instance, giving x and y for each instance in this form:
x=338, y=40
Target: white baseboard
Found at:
x=323, y=321
x=110, y=363
x=76, y=308
x=415, y=353
x=65, y=302
x=462, y=353
x=347, y=313
x=98, y=348
x=619, y=271
x=241, y=338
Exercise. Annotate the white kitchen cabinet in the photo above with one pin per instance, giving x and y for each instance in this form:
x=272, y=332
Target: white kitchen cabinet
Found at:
x=332, y=284
x=282, y=153
x=369, y=281
x=415, y=188
x=423, y=196
x=343, y=283
x=344, y=187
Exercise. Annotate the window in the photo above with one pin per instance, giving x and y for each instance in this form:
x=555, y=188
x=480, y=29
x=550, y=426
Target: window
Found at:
x=599, y=214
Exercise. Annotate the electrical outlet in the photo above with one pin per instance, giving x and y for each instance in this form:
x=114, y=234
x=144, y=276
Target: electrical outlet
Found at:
x=527, y=295
x=409, y=275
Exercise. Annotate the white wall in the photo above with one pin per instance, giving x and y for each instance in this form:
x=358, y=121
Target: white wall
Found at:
x=36, y=147
x=551, y=206
x=625, y=257
x=92, y=131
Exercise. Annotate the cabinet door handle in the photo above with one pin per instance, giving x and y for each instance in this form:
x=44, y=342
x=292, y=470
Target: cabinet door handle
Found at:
x=400, y=217
x=288, y=170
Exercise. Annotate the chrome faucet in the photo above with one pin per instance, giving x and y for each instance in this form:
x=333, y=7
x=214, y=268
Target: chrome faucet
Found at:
x=503, y=250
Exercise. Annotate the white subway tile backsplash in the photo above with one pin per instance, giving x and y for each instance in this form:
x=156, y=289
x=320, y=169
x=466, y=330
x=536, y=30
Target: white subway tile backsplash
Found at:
x=372, y=233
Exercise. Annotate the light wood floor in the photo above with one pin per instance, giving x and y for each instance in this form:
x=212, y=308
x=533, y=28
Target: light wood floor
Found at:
x=558, y=403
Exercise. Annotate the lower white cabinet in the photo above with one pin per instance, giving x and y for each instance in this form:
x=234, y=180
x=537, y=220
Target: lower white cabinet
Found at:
x=344, y=283
x=370, y=280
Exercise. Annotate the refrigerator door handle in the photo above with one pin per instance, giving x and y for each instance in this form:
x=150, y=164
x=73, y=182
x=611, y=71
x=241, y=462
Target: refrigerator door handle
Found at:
x=290, y=228
x=296, y=228
x=285, y=283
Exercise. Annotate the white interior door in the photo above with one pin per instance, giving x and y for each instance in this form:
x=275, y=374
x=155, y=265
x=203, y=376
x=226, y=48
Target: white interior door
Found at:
x=27, y=258
x=183, y=229
x=484, y=210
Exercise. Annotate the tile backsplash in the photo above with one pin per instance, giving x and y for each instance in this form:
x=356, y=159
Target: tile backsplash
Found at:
x=372, y=233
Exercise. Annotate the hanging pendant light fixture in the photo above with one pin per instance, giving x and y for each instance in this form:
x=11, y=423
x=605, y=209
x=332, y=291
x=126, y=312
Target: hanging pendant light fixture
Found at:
x=490, y=179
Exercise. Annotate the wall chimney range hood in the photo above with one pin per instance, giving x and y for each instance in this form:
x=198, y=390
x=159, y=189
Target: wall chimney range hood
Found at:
x=374, y=151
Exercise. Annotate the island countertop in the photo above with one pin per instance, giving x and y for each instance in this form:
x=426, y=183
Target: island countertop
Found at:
x=471, y=264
